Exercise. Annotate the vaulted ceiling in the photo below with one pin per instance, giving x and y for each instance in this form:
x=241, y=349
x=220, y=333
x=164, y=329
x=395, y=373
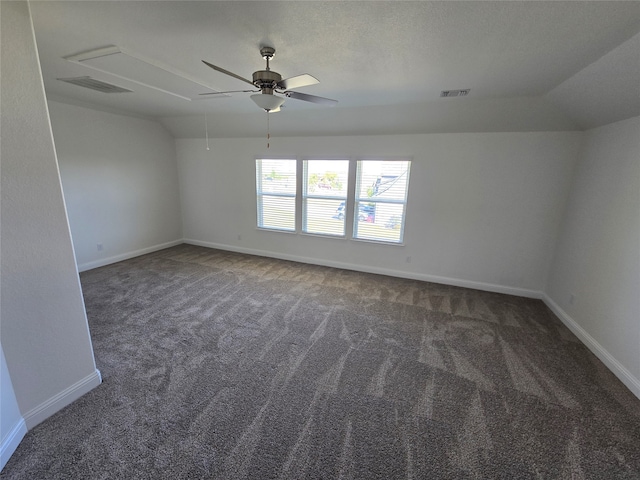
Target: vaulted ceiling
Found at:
x=529, y=65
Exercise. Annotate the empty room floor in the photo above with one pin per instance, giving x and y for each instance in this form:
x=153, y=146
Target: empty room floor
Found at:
x=231, y=366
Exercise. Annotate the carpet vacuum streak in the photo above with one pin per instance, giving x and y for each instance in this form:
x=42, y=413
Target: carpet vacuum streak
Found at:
x=219, y=365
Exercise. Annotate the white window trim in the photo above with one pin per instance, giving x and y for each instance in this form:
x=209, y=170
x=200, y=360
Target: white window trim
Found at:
x=305, y=196
x=400, y=242
x=259, y=196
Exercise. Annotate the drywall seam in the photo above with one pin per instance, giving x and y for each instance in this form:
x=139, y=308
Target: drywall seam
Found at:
x=489, y=287
x=598, y=350
x=125, y=256
x=11, y=441
x=47, y=408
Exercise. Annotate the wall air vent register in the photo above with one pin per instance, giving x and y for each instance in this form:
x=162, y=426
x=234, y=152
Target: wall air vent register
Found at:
x=455, y=93
x=93, y=84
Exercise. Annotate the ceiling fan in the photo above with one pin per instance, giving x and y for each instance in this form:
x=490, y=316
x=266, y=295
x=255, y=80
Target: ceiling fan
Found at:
x=269, y=82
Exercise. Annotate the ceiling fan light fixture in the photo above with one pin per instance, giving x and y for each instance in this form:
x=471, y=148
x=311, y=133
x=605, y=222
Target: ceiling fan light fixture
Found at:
x=267, y=102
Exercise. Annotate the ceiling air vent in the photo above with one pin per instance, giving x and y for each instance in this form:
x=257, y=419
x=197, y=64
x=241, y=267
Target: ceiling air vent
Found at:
x=93, y=84
x=455, y=93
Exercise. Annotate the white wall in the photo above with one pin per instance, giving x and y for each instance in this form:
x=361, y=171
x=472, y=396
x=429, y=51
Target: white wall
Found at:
x=483, y=211
x=44, y=332
x=597, y=258
x=120, y=183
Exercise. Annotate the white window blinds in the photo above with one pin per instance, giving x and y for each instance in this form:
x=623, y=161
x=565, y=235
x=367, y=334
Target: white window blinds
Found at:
x=381, y=197
x=276, y=194
x=324, y=196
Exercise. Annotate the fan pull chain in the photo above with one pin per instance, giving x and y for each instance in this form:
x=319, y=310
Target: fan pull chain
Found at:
x=268, y=134
x=206, y=129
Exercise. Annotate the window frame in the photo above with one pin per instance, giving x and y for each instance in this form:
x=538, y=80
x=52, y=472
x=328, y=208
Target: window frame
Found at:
x=305, y=196
x=357, y=200
x=260, y=194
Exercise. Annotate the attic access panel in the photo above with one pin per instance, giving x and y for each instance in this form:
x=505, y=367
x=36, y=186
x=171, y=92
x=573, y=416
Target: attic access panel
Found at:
x=143, y=71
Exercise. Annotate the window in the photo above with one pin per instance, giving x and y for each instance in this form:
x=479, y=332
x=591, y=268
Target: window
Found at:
x=367, y=197
x=276, y=194
x=324, y=196
x=381, y=198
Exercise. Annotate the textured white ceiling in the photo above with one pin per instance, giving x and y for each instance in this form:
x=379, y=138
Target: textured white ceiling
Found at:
x=385, y=62
x=606, y=91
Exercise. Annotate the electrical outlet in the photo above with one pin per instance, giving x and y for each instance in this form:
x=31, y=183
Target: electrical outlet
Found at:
x=100, y=247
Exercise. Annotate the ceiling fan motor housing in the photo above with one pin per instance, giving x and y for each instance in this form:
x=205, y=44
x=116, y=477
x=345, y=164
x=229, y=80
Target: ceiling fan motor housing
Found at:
x=266, y=80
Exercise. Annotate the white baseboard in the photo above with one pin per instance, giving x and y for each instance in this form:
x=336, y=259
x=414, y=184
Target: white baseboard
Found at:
x=489, y=287
x=125, y=256
x=43, y=411
x=11, y=441
x=598, y=350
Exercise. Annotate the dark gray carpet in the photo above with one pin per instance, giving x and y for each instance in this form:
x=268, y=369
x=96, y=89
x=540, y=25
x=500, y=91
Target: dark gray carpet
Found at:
x=229, y=366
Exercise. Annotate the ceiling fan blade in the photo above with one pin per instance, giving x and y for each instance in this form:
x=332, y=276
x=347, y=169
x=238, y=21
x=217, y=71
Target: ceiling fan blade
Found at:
x=297, y=81
x=228, y=91
x=227, y=72
x=311, y=98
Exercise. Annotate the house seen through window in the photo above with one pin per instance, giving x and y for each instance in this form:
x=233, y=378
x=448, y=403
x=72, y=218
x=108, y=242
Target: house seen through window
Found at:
x=381, y=198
